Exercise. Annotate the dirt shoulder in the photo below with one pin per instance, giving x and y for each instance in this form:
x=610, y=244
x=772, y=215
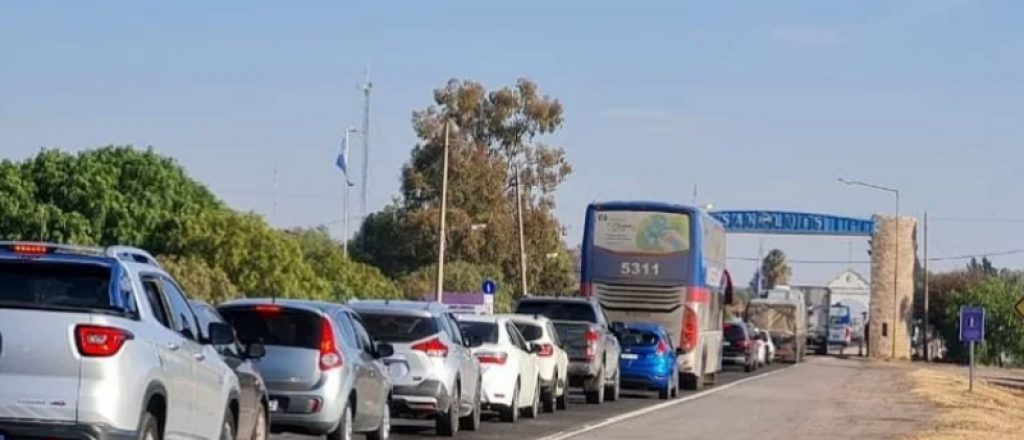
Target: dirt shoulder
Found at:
x=989, y=412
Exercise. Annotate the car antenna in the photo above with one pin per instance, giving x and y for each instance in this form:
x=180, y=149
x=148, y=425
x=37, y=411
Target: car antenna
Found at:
x=273, y=297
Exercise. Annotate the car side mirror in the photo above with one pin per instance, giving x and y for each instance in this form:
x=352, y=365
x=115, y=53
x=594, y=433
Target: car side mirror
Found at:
x=385, y=350
x=729, y=294
x=255, y=350
x=535, y=348
x=220, y=334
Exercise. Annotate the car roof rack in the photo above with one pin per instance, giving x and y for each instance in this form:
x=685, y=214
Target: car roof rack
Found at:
x=124, y=253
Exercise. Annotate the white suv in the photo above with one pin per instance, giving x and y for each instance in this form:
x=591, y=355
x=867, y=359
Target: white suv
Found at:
x=552, y=360
x=101, y=344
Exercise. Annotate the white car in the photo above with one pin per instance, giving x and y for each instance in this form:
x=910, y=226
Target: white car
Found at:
x=769, y=347
x=508, y=364
x=552, y=359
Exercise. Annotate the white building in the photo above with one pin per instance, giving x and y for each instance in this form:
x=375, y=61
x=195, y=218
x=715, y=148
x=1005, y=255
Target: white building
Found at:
x=851, y=289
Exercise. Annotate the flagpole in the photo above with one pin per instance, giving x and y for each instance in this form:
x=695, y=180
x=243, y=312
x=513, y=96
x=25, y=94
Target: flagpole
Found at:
x=344, y=236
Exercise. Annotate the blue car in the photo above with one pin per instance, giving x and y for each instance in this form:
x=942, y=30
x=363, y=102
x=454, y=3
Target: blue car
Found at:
x=648, y=359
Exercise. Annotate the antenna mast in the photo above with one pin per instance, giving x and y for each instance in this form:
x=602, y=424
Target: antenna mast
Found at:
x=366, y=87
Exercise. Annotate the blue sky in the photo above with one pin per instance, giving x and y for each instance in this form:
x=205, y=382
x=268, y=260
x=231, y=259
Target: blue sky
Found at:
x=761, y=104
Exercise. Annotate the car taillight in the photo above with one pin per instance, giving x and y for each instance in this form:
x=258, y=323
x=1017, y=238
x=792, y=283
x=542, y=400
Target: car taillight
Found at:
x=592, y=338
x=30, y=249
x=689, y=337
x=662, y=347
x=268, y=309
x=100, y=341
x=495, y=357
x=743, y=343
x=330, y=357
x=433, y=348
x=546, y=350
x=586, y=290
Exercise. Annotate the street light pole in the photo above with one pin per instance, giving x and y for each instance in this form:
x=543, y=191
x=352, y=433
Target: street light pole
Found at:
x=442, y=236
x=896, y=245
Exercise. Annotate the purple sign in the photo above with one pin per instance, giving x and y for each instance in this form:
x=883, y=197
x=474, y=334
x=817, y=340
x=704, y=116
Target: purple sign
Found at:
x=468, y=299
x=972, y=324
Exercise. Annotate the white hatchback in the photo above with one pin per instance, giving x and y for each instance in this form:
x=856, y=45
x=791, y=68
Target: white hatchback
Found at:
x=508, y=364
x=552, y=359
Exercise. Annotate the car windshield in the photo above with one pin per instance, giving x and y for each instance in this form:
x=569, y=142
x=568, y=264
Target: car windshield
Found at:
x=54, y=285
x=275, y=327
x=735, y=332
x=395, y=327
x=637, y=338
x=530, y=332
x=487, y=332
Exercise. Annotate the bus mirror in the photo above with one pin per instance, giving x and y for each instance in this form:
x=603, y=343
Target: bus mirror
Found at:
x=728, y=288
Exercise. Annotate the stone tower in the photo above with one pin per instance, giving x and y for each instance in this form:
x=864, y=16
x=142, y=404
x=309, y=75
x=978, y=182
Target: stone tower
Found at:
x=892, y=307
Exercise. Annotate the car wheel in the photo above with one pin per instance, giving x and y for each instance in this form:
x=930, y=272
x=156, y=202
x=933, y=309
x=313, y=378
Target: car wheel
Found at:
x=447, y=424
x=259, y=429
x=472, y=421
x=563, y=399
x=511, y=414
x=149, y=428
x=595, y=389
x=227, y=429
x=532, y=411
x=383, y=431
x=551, y=397
x=344, y=429
x=614, y=389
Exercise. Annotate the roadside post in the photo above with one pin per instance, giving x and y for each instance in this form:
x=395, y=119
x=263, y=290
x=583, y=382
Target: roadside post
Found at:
x=972, y=331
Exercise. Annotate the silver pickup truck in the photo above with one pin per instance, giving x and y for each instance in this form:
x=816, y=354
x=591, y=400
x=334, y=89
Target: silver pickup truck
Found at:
x=587, y=339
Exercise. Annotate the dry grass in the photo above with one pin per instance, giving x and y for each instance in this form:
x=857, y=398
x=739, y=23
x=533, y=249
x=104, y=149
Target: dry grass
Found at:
x=990, y=412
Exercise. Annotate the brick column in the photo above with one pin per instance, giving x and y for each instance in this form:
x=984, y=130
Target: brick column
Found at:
x=883, y=265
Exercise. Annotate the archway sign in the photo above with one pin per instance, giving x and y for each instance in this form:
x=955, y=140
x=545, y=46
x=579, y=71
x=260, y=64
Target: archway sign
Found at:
x=792, y=223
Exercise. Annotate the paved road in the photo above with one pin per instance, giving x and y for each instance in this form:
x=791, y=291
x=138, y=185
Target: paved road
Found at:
x=579, y=414
x=826, y=397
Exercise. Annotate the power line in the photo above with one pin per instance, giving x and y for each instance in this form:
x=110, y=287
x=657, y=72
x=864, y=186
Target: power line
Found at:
x=947, y=258
x=977, y=220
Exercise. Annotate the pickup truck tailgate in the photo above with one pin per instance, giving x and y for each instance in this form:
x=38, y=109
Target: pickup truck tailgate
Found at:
x=574, y=338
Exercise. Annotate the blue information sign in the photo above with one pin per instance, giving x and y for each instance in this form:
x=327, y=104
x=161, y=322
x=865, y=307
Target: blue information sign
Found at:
x=489, y=287
x=792, y=223
x=972, y=324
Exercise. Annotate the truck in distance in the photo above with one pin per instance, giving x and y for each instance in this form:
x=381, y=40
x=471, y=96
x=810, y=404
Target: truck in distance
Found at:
x=783, y=314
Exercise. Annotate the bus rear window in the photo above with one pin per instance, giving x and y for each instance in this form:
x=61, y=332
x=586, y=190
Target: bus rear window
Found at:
x=53, y=285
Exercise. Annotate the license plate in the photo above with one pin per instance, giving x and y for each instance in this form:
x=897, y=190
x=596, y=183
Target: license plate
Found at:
x=273, y=408
x=726, y=343
x=629, y=356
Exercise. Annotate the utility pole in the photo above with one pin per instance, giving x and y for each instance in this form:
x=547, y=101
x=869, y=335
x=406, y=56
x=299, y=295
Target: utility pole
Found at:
x=694, y=194
x=522, y=237
x=926, y=340
x=367, y=86
x=442, y=236
x=760, y=263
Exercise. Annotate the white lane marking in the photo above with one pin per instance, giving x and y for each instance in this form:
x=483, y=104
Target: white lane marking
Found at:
x=649, y=409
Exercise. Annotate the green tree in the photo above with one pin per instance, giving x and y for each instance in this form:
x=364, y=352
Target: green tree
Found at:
x=1004, y=330
x=110, y=195
x=491, y=134
x=200, y=280
x=346, y=279
x=775, y=269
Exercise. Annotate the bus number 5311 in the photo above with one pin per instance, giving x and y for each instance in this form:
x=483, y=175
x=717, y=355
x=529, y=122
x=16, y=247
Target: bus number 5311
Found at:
x=646, y=269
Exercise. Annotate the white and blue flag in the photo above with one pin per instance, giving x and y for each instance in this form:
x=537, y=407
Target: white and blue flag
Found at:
x=342, y=161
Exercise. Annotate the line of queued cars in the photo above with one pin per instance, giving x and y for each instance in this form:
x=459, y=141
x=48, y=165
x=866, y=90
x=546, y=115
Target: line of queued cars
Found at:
x=103, y=344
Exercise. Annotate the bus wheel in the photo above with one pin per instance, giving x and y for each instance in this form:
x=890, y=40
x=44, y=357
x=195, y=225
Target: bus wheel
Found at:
x=691, y=382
